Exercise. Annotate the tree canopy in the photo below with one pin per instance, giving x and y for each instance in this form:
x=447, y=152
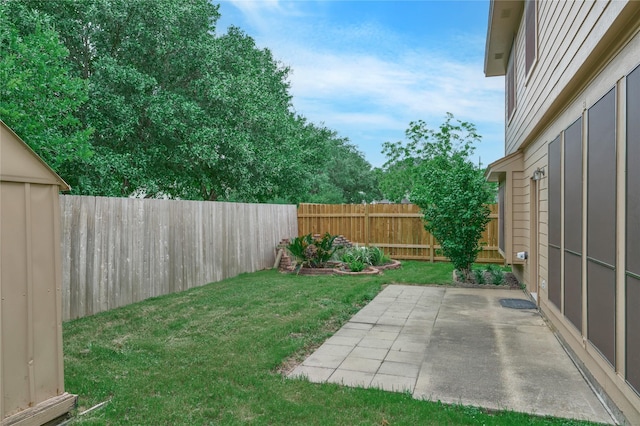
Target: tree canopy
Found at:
x=131, y=96
x=38, y=95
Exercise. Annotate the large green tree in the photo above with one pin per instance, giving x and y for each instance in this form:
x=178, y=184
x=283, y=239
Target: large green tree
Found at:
x=434, y=169
x=39, y=97
x=345, y=178
x=178, y=111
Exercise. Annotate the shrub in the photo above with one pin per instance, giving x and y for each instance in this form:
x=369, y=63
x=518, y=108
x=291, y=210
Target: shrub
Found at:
x=435, y=170
x=312, y=252
x=297, y=247
x=356, y=266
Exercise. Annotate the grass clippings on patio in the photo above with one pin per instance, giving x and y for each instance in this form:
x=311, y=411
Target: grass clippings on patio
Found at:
x=211, y=355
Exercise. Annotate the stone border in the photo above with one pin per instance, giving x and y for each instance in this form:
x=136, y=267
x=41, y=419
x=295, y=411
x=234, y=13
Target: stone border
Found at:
x=370, y=270
x=395, y=264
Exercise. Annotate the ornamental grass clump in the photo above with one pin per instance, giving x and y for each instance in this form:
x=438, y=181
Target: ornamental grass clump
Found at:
x=368, y=256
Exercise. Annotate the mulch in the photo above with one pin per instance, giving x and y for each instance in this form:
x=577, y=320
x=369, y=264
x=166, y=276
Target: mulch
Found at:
x=510, y=282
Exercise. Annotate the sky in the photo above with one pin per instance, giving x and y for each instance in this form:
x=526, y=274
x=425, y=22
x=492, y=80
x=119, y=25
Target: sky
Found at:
x=366, y=69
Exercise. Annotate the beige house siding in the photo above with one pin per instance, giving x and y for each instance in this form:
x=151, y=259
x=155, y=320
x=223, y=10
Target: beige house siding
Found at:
x=573, y=28
x=585, y=49
x=520, y=212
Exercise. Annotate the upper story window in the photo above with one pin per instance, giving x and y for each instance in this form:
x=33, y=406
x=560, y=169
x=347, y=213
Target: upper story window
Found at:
x=531, y=34
x=510, y=81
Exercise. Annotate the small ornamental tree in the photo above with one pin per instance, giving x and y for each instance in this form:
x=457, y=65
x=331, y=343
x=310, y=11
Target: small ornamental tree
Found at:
x=435, y=171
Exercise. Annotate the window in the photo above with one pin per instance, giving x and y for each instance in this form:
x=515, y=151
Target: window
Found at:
x=633, y=230
x=573, y=223
x=531, y=34
x=601, y=225
x=510, y=82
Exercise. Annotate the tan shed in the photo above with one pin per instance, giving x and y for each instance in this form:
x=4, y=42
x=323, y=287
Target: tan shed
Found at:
x=31, y=363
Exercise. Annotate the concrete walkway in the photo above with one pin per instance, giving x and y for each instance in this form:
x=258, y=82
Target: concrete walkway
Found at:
x=457, y=346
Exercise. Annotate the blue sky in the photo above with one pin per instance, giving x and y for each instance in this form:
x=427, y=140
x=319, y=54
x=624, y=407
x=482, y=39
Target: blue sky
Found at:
x=366, y=69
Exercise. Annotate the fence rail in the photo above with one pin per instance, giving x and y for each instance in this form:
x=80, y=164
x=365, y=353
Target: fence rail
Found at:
x=117, y=251
x=397, y=228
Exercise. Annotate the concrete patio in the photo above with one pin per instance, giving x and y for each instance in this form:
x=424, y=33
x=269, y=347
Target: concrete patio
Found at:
x=458, y=346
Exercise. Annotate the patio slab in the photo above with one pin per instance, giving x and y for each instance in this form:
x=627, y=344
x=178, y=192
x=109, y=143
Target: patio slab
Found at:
x=459, y=346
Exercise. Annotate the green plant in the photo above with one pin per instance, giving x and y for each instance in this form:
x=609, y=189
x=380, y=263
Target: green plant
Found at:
x=435, y=170
x=367, y=255
x=347, y=256
x=325, y=248
x=312, y=252
x=356, y=266
x=478, y=275
x=355, y=254
x=497, y=274
x=376, y=256
x=297, y=247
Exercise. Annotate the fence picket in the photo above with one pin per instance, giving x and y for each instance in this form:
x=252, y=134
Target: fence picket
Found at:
x=117, y=251
x=396, y=228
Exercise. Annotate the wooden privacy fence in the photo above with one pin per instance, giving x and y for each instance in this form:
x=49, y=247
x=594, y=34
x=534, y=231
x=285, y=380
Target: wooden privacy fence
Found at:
x=117, y=251
x=396, y=228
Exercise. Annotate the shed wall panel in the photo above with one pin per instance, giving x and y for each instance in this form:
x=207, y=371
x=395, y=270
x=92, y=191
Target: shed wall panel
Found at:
x=15, y=275
x=45, y=311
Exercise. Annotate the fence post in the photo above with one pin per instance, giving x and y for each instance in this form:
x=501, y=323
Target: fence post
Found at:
x=367, y=236
x=432, y=249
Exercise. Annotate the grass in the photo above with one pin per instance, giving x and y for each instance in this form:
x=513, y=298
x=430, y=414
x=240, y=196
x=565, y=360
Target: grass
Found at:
x=211, y=355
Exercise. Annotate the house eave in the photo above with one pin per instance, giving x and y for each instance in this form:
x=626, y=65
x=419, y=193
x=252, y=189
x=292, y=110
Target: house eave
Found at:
x=504, y=19
x=497, y=170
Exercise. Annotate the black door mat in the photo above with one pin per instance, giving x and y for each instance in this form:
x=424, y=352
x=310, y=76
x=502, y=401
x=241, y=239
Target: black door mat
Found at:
x=518, y=304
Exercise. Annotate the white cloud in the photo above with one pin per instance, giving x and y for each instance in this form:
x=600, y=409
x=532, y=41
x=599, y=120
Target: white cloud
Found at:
x=368, y=83
x=261, y=14
x=430, y=87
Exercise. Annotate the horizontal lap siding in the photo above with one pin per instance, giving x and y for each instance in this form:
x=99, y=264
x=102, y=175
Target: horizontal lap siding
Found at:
x=520, y=213
x=569, y=27
x=117, y=251
x=595, y=316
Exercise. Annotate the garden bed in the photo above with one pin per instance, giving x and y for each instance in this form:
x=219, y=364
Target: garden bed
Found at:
x=509, y=282
x=340, y=269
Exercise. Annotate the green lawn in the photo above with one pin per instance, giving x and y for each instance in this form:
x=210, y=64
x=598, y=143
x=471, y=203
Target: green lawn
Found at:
x=211, y=355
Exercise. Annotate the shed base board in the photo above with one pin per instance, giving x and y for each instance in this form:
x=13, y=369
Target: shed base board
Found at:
x=44, y=412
